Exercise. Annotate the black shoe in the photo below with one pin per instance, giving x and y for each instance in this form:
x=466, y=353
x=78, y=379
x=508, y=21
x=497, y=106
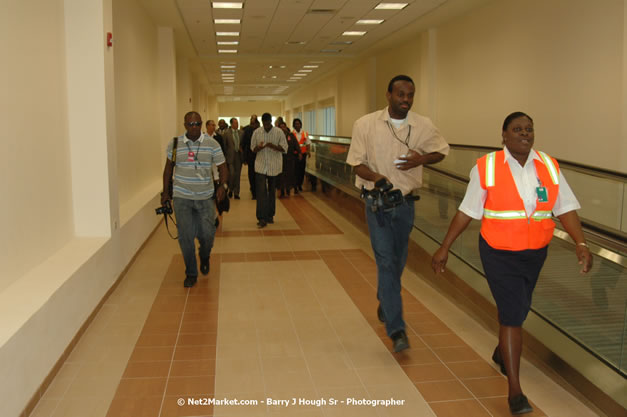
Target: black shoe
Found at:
x=217, y=222
x=230, y=194
x=519, y=405
x=204, y=266
x=270, y=220
x=261, y=224
x=399, y=339
x=497, y=359
x=380, y=314
x=189, y=282
x=237, y=196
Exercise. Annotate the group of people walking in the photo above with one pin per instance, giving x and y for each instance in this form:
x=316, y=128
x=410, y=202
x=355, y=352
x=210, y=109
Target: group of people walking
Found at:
x=514, y=192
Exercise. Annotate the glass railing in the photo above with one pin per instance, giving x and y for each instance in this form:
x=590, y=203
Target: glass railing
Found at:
x=590, y=309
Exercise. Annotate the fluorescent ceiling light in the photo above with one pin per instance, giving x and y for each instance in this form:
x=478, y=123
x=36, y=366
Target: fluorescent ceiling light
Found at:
x=316, y=62
x=300, y=75
x=331, y=50
x=227, y=66
x=226, y=5
x=305, y=70
x=274, y=76
x=291, y=81
x=228, y=42
x=227, y=51
x=369, y=21
x=390, y=6
x=353, y=33
x=226, y=21
x=310, y=66
x=227, y=33
x=228, y=81
x=341, y=43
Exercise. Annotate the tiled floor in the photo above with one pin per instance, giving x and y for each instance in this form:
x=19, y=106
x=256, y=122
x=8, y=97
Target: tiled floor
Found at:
x=287, y=313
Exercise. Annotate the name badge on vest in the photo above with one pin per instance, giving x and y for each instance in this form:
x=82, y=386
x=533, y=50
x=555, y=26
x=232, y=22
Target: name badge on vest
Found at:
x=543, y=195
x=190, y=156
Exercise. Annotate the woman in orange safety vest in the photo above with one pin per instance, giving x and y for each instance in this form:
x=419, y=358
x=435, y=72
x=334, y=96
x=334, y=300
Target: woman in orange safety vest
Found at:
x=515, y=192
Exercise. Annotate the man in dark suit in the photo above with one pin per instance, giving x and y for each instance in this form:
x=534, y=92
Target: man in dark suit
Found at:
x=249, y=155
x=233, y=152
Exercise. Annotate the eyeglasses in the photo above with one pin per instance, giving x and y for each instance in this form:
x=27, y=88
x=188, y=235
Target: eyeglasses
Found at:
x=197, y=124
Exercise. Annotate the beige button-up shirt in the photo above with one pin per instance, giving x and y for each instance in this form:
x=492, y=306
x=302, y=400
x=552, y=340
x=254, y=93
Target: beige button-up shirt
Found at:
x=377, y=144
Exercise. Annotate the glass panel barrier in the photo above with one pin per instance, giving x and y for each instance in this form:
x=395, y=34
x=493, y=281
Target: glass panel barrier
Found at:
x=590, y=309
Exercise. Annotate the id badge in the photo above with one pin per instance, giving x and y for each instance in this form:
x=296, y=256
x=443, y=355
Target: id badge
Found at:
x=190, y=156
x=543, y=196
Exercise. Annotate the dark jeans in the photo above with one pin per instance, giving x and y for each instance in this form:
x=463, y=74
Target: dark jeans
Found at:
x=195, y=219
x=300, y=170
x=389, y=242
x=265, y=188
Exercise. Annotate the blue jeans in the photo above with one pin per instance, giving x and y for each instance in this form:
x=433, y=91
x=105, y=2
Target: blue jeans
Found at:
x=265, y=189
x=389, y=242
x=195, y=219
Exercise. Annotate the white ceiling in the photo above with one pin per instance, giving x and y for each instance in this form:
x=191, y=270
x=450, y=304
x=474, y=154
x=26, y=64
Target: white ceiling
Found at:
x=287, y=35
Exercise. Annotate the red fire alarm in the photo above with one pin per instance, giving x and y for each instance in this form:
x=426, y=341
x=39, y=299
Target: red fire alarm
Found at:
x=109, y=39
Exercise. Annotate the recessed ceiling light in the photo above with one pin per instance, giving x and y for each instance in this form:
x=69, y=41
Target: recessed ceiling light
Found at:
x=341, y=43
x=353, y=33
x=227, y=66
x=228, y=70
x=299, y=75
x=226, y=5
x=291, y=81
x=390, y=6
x=331, y=50
x=282, y=66
x=307, y=70
x=316, y=62
x=227, y=51
x=227, y=33
x=295, y=42
x=270, y=66
x=310, y=66
x=226, y=21
x=228, y=42
x=274, y=76
x=228, y=81
x=369, y=21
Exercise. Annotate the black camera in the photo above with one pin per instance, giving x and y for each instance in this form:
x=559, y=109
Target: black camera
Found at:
x=384, y=197
x=166, y=208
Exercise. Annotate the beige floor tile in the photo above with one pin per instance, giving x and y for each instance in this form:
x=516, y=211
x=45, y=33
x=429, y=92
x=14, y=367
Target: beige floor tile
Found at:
x=45, y=408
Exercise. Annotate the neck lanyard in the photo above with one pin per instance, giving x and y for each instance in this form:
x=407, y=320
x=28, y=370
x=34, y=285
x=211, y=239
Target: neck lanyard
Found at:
x=194, y=154
x=406, y=141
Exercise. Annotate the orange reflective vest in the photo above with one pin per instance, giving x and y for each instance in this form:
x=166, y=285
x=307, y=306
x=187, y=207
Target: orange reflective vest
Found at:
x=505, y=224
x=302, y=139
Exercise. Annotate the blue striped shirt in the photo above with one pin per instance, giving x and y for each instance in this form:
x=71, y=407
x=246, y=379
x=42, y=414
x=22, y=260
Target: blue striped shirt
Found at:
x=193, y=172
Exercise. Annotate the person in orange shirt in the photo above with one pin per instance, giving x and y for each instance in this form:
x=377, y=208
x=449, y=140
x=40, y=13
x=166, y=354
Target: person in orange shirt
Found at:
x=515, y=192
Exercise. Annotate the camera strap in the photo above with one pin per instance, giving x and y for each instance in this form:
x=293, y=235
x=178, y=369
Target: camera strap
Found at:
x=165, y=216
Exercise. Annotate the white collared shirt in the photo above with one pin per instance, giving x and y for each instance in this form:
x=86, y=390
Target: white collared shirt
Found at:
x=526, y=180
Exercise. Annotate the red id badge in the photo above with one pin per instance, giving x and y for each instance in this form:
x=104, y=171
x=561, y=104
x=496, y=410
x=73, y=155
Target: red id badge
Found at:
x=190, y=156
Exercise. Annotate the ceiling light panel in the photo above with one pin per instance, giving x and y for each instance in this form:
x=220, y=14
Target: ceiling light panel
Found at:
x=390, y=6
x=227, y=33
x=227, y=21
x=310, y=66
x=353, y=33
x=226, y=5
x=227, y=51
x=228, y=42
x=369, y=22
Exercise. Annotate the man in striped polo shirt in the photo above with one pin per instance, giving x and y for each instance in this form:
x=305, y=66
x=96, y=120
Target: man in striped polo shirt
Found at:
x=269, y=144
x=196, y=154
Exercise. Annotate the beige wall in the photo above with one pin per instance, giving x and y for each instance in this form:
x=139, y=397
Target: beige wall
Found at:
x=139, y=154
x=560, y=61
x=33, y=113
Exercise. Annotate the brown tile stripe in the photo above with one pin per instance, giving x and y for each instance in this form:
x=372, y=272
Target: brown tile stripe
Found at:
x=308, y=218
x=451, y=377
x=175, y=354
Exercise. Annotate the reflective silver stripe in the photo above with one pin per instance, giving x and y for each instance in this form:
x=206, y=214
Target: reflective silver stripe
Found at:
x=489, y=170
x=548, y=162
x=542, y=215
x=506, y=215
